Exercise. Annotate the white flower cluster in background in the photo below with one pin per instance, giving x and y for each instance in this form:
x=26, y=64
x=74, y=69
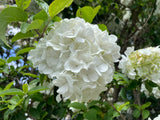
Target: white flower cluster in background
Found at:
x=126, y=2
x=80, y=55
x=157, y=118
x=155, y=91
x=157, y=11
x=12, y=30
x=127, y=14
x=143, y=63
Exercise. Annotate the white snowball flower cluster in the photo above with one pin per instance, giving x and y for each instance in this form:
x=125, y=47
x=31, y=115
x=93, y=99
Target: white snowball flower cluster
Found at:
x=126, y=2
x=157, y=118
x=143, y=63
x=157, y=11
x=80, y=55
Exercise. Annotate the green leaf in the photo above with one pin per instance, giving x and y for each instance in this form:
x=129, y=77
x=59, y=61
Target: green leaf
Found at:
x=30, y=74
x=24, y=27
x=43, y=5
x=37, y=89
x=144, y=106
x=3, y=108
x=133, y=84
x=56, y=19
x=20, y=115
x=2, y=62
x=123, y=93
x=118, y=76
x=9, y=85
x=36, y=24
x=25, y=88
x=25, y=103
x=25, y=50
x=136, y=113
x=14, y=58
x=121, y=107
x=23, y=4
x=35, y=113
x=22, y=36
x=57, y=6
x=91, y=114
x=42, y=15
x=7, y=113
x=10, y=14
x=87, y=13
x=77, y=105
x=109, y=114
x=103, y=27
x=145, y=114
x=13, y=101
x=12, y=91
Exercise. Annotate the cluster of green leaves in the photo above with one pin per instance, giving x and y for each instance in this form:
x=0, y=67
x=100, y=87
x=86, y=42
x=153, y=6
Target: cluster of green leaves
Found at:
x=97, y=110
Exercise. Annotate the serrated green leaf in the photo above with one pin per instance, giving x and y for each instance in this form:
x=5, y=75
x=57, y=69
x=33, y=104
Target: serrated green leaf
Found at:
x=145, y=114
x=23, y=4
x=37, y=89
x=25, y=88
x=136, y=113
x=91, y=114
x=43, y=5
x=8, y=15
x=87, y=13
x=12, y=91
x=14, y=58
x=25, y=50
x=57, y=6
x=36, y=24
x=22, y=36
x=9, y=85
x=42, y=15
x=77, y=105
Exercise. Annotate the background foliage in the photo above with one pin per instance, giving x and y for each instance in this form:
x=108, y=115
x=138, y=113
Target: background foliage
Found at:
x=22, y=92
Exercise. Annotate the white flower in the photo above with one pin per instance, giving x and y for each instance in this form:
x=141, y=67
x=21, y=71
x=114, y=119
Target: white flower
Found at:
x=156, y=118
x=28, y=118
x=157, y=11
x=12, y=30
x=127, y=14
x=80, y=55
x=126, y=2
x=155, y=91
x=143, y=63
